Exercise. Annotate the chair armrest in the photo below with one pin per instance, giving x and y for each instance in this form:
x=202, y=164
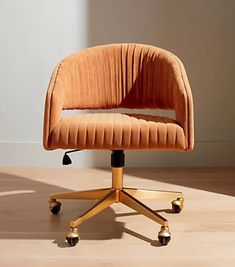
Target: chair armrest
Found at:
x=184, y=104
x=53, y=105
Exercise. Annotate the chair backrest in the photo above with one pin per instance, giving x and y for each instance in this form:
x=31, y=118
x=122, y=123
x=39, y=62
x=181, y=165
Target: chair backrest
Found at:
x=119, y=75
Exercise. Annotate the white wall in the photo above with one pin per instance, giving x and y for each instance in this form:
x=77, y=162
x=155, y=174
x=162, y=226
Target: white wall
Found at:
x=35, y=35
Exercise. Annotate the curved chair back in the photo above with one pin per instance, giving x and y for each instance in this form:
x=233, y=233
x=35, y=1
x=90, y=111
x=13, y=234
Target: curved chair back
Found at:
x=121, y=76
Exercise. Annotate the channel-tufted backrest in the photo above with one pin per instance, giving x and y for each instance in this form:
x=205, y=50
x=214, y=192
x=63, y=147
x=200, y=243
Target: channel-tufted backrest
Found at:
x=120, y=75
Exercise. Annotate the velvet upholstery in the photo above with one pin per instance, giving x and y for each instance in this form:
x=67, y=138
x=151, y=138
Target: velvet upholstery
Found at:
x=130, y=76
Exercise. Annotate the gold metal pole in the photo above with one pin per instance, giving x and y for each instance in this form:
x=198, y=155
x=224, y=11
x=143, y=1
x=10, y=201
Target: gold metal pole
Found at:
x=117, y=178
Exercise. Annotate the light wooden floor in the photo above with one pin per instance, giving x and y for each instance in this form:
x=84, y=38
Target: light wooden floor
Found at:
x=202, y=235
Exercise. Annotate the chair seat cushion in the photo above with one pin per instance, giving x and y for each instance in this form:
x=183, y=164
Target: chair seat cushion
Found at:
x=117, y=131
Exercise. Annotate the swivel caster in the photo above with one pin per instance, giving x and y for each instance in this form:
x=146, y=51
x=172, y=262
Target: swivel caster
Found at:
x=54, y=206
x=177, y=205
x=72, y=237
x=164, y=236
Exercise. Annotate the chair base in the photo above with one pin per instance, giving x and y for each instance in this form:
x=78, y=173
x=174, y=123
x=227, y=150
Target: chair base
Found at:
x=118, y=193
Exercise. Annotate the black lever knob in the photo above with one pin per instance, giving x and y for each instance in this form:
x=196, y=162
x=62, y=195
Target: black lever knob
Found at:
x=66, y=159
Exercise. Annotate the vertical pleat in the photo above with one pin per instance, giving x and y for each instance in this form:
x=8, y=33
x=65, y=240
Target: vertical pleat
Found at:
x=119, y=131
x=121, y=75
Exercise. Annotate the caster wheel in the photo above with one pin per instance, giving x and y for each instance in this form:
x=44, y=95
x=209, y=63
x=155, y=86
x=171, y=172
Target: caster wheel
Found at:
x=72, y=241
x=54, y=206
x=164, y=236
x=72, y=237
x=177, y=205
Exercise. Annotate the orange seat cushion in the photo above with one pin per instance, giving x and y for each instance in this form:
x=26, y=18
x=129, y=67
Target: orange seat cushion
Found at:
x=117, y=131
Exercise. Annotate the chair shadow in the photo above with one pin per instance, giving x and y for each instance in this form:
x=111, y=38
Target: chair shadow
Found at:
x=25, y=215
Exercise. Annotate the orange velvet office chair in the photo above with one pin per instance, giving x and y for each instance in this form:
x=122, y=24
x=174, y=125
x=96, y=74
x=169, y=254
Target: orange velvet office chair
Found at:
x=132, y=76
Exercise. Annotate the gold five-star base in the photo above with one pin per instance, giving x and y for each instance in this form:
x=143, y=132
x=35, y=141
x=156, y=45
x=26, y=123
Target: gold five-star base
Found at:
x=118, y=193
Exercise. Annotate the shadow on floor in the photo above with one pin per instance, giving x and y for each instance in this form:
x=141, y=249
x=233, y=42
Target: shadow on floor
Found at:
x=25, y=215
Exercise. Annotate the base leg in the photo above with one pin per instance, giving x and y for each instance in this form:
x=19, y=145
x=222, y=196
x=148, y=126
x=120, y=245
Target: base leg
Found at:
x=152, y=194
x=104, y=203
x=135, y=204
x=88, y=194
